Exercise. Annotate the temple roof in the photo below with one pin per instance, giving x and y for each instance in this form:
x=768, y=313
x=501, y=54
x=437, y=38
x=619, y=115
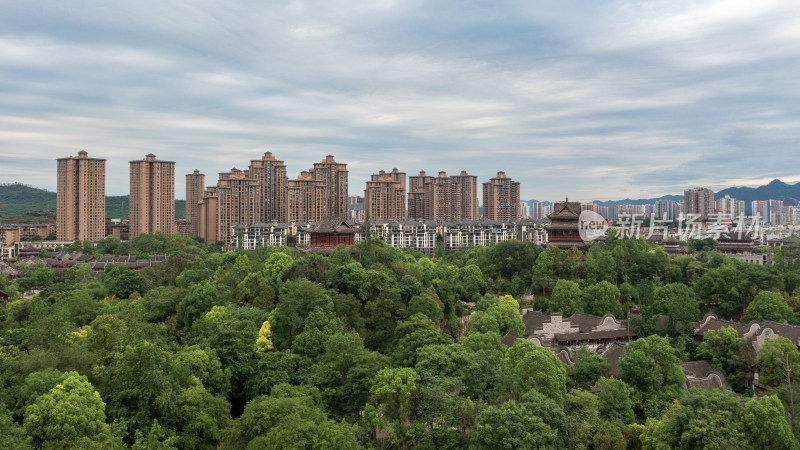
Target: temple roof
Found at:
x=332, y=225
x=565, y=210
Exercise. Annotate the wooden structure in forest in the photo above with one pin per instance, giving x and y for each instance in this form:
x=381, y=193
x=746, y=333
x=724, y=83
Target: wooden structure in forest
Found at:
x=330, y=232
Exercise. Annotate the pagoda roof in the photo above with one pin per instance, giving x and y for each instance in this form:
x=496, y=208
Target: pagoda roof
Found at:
x=332, y=225
x=567, y=210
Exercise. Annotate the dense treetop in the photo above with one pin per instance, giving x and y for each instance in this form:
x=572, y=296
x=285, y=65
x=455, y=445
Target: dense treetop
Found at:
x=373, y=347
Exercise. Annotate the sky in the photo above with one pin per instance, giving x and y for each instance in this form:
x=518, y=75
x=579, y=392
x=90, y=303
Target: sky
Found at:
x=586, y=99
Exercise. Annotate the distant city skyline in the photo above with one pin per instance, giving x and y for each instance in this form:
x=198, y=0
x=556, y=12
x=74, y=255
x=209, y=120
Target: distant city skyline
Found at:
x=591, y=100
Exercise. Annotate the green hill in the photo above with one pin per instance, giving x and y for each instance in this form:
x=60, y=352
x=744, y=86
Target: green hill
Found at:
x=19, y=198
x=20, y=203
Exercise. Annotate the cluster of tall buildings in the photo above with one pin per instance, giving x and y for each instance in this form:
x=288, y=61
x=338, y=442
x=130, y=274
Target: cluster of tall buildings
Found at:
x=263, y=193
x=81, y=197
x=443, y=198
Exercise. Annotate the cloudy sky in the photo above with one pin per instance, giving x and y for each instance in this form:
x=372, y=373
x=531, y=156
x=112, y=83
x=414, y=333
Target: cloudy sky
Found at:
x=595, y=100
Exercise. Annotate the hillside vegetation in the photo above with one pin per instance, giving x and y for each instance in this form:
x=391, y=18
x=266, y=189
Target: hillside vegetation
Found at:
x=20, y=203
x=366, y=348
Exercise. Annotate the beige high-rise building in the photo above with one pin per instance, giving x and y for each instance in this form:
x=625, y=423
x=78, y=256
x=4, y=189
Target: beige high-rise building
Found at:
x=239, y=201
x=81, y=198
x=334, y=176
x=455, y=198
x=308, y=199
x=270, y=173
x=444, y=205
x=420, y=195
x=698, y=201
x=466, y=191
x=195, y=183
x=501, y=199
x=443, y=198
x=385, y=196
x=208, y=226
x=152, y=199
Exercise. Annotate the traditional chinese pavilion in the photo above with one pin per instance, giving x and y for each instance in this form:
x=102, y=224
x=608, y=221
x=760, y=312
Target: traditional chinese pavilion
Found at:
x=330, y=232
x=562, y=231
x=733, y=243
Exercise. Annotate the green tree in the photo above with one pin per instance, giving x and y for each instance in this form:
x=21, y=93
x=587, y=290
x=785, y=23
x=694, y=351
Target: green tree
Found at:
x=567, y=298
x=511, y=426
x=394, y=391
x=297, y=299
x=768, y=306
x=538, y=368
x=318, y=326
x=648, y=365
x=72, y=410
x=588, y=368
x=614, y=400
x=264, y=340
x=772, y=359
x=35, y=385
x=722, y=348
x=200, y=300
x=122, y=282
x=500, y=317
x=705, y=419
x=544, y=272
x=13, y=435
x=601, y=266
x=679, y=302
x=765, y=426
x=288, y=419
x=602, y=298
x=202, y=416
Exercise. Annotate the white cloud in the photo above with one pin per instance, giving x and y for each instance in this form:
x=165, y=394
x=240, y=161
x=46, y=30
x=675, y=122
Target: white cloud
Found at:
x=590, y=99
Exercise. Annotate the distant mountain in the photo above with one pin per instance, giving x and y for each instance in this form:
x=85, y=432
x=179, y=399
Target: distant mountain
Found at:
x=20, y=203
x=639, y=201
x=776, y=189
x=20, y=198
x=627, y=201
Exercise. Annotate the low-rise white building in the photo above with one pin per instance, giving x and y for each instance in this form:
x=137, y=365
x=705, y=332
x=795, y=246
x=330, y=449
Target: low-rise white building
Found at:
x=268, y=234
x=472, y=233
x=413, y=234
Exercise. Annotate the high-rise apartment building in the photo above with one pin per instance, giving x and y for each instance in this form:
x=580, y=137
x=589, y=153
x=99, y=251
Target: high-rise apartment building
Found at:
x=356, y=208
x=420, y=197
x=524, y=209
x=537, y=210
x=81, y=198
x=466, y=191
x=152, y=196
x=760, y=208
x=239, y=201
x=501, y=198
x=195, y=184
x=308, y=199
x=730, y=208
x=385, y=196
x=699, y=201
x=334, y=176
x=443, y=198
x=666, y=210
x=776, y=212
x=208, y=226
x=270, y=173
